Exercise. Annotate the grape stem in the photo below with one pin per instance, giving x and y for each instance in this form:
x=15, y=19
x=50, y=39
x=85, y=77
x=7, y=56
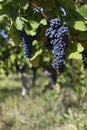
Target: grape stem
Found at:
x=38, y=8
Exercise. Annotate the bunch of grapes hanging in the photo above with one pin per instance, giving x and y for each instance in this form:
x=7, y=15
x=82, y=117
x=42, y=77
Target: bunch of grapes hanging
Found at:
x=26, y=43
x=58, y=36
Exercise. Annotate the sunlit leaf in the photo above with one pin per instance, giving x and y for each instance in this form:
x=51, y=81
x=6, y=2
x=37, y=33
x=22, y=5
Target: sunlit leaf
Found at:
x=43, y=21
x=34, y=24
x=75, y=55
x=19, y=23
x=80, y=25
x=37, y=54
x=83, y=11
x=79, y=47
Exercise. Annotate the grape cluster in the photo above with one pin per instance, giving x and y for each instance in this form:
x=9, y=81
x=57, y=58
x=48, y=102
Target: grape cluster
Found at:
x=27, y=43
x=58, y=37
x=84, y=58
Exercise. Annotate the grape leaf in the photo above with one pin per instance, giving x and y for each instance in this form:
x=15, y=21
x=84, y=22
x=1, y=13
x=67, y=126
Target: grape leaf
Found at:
x=37, y=54
x=67, y=5
x=44, y=4
x=19, y=23
x=24, y=4
x=35, y=62
x=79, y=47
x=34, y=24
x=9, y=11
x=82, y=35
x=43, y=21
x=31, y=32
x=83, y=11
x=1, y=71
x=14, y=35
x=75, y=55
x=80, y=25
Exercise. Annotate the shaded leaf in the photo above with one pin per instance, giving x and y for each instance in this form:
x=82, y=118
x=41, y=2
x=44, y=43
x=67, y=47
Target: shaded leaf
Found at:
x=35, y=62
x=24, y=4
x=82, y=35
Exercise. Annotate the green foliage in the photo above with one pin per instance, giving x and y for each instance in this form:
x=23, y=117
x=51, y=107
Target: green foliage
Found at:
x=18, y=14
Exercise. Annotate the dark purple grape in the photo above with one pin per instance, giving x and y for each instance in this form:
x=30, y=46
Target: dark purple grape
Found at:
x=84, y=58
x=27, y=44
x=58, y=35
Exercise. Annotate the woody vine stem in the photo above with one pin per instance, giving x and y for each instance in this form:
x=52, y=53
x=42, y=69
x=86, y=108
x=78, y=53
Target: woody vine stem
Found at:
x=38, y=8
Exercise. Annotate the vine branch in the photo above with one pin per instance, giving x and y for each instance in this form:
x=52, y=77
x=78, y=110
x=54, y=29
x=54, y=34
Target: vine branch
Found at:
x=38, y=8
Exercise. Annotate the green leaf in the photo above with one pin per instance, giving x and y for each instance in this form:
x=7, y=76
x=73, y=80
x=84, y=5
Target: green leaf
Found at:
x=83, y=11
x=75, y=55
x=33, y=27
x=80, y=48
x=68, y=5
x=19, y=23
x=71, y=48
x=31, y=32
x=34, y=24
x=9, y=10
x=44, y=4
x=82, y=35
x=24, y=4
x=14, y=35
x=37, y=54
x=12, y=58
x=43, y=21
x=2, y=18
x=34, y=62
x=1, y=71
x=0, y=7
x=80, y=25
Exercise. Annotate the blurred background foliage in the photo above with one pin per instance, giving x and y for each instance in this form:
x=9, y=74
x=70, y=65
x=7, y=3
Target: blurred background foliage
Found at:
x=61, y=108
